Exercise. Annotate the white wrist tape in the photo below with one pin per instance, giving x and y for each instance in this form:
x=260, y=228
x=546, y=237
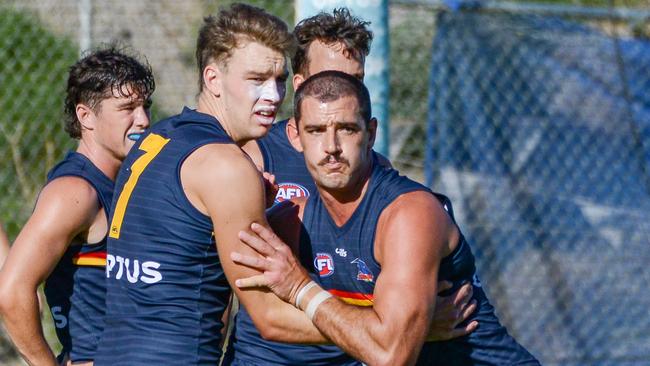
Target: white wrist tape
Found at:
x=315, y=302
x=303, y=291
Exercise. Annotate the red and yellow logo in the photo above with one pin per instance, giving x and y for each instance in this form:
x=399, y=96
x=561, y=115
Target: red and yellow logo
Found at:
x=324, y=264
x=287, y=191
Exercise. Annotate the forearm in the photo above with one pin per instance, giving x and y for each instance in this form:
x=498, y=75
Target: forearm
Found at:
x=282, y=322
x=391, y=332
x=364, y=333
x=22, y=320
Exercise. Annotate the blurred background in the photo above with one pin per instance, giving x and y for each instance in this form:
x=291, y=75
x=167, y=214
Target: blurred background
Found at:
x=533, y=117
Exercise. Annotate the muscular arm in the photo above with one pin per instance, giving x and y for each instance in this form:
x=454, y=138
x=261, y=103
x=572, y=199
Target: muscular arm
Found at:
x=413, y=234
x=223, y=183
x=4, y=245
x=65, y=208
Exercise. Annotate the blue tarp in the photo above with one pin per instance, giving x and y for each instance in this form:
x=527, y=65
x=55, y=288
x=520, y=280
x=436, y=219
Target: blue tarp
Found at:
x=539, y=129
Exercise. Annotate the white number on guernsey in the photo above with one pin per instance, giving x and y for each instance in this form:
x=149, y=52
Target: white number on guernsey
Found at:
x=133, y=270
x=60, y=321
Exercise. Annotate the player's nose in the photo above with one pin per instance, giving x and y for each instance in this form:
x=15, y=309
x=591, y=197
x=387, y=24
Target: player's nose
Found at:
x=141, y=118
x=272, y=91
x=332, y=145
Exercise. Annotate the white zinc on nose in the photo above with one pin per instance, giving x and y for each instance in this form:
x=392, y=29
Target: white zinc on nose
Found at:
x=270, y=91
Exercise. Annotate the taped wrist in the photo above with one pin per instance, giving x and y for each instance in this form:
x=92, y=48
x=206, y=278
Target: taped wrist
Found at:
x=315, y=302
x=302, y=293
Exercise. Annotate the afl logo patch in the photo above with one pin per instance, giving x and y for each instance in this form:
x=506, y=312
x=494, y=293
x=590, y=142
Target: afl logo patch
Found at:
x=324, y=264
x=287, y=191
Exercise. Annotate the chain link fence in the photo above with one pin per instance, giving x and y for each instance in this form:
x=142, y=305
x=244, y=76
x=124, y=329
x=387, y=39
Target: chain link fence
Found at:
x=525, y=120
x=539, y=130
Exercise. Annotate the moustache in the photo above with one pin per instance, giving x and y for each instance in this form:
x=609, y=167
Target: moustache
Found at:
x=333, y=159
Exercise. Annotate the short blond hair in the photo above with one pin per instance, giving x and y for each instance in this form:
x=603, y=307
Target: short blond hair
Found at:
x=221, y=34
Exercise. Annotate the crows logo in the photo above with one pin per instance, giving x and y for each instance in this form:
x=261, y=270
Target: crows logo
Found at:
x=363, y=272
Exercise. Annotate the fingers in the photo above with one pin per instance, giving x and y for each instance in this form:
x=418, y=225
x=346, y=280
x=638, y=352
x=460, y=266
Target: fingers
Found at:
x=270, y=178
x=444, y=285
x=258, y=263
x=468, y=311
x=269, y=181
x=268, y=236
x=250, y=282
x=463, y=295
x=463, y=331
x=256, y=243
x=444, y=304
x=270, y=187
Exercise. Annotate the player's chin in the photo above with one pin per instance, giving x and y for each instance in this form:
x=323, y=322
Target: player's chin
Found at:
x=128, y=145
x=334, y=181
x=260, y=130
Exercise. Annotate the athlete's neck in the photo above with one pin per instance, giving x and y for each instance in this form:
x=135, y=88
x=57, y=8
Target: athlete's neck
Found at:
x=342, y=203
x=103, y=159
x=210, y=104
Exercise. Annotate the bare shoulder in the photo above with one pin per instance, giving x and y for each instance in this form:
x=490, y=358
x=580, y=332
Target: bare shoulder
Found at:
x=68, y=193
x=417, y=204
x=66, y=207
x=218, y=175
x=416, y=219
x=220, y=161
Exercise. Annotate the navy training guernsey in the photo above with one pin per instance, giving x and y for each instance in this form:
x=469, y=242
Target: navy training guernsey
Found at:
x=343, y=259
x=166, y=289
x=76, y=288
x=349, y=273
x=246, y=345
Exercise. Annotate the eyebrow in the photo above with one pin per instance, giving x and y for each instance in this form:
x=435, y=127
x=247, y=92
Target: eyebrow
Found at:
x=258, y=73
x=337, y=124
x=347, y=124
x=266, y=74
x=132, y=102
x=126, y=104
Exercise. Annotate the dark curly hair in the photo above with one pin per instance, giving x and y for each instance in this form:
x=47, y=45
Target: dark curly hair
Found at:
x=221, y=34
x=338, y=26
x=101, y=74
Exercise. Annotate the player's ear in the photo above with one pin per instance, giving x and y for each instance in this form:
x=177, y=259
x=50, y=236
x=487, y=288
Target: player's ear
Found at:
x=293, y=134
x=85, y=116
x=297, y=80
x=213, y=78
x=372, y=131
